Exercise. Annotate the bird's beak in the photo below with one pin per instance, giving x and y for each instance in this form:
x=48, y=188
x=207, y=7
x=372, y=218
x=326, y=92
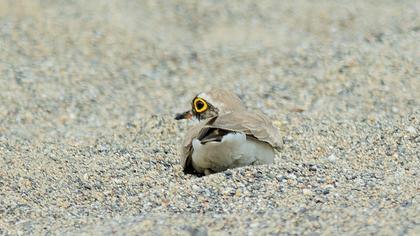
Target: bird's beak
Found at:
x=185, y=115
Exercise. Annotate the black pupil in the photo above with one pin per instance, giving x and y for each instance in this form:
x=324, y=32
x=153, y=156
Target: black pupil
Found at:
x=200, y=105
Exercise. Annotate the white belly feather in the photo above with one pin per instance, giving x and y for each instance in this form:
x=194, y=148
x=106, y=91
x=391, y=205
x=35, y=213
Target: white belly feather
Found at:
x=233, y=150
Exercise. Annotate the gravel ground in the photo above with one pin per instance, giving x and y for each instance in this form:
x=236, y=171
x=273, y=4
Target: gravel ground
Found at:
x=89, y=89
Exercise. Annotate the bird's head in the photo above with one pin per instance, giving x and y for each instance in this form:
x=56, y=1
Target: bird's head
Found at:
x=210, y=104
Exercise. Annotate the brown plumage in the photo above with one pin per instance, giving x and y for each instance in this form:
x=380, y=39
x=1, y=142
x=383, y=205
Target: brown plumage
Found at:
x=231, y=117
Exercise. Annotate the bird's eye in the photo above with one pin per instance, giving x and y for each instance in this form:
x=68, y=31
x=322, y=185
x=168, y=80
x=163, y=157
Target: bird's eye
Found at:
x=200, y=105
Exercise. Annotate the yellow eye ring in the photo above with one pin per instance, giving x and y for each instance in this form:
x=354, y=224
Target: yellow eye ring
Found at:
x=200, y=105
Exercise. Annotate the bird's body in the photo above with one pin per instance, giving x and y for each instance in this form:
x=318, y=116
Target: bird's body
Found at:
x=227, y=136
x=233, y=150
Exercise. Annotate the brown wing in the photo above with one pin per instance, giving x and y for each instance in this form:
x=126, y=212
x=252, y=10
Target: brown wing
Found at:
x=250, y=123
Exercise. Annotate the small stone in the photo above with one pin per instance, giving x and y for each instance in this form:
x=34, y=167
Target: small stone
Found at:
x=325, y=191
x=281, y=178
x=313, y=167
x=332, y=158
x=406, y=203
x=411, y=130
x=306, y=191
x=319, y=200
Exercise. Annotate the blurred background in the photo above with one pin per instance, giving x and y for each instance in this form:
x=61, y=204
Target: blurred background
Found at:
x=90, y=62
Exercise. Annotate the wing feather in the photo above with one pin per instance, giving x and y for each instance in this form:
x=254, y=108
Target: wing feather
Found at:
x=251, y=123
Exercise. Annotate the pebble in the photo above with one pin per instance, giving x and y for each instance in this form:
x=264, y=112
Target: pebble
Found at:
x=411, y=130
x=306, y=192
x=332, y=158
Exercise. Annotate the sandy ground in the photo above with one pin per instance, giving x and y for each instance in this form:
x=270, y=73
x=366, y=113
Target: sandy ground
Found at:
x=89, y=89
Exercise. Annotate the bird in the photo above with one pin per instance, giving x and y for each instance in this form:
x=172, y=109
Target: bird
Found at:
x=227, y=135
